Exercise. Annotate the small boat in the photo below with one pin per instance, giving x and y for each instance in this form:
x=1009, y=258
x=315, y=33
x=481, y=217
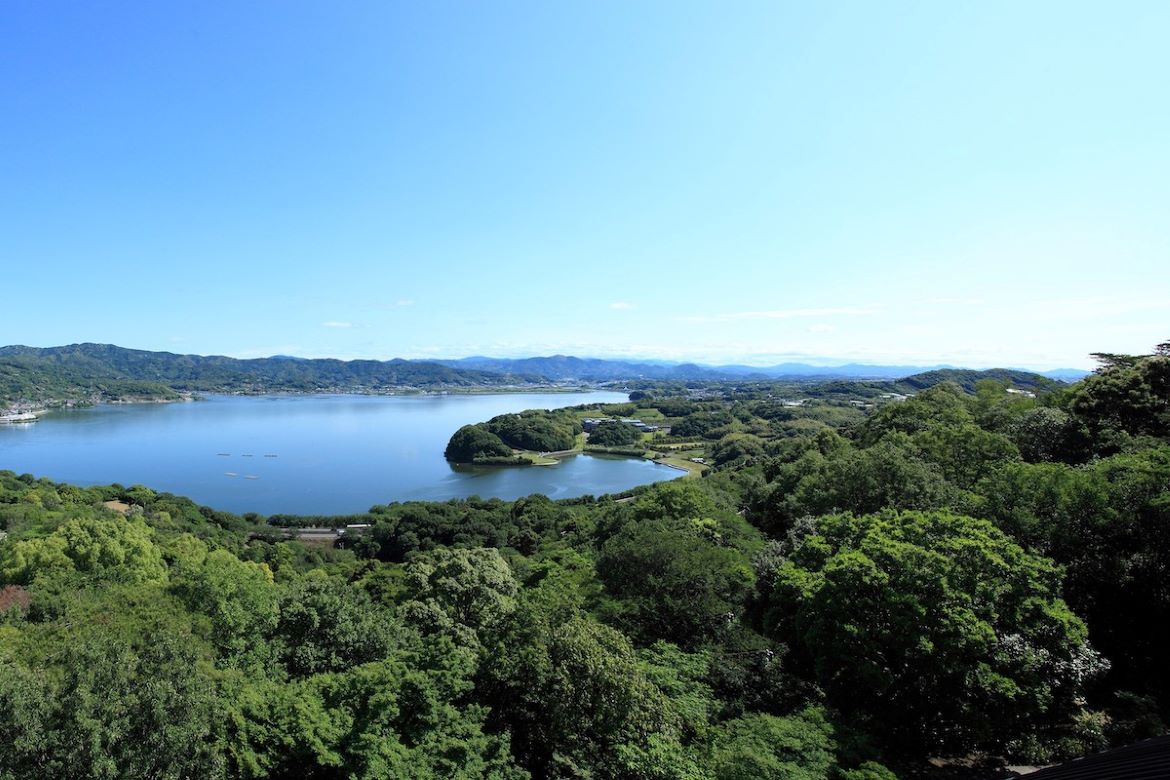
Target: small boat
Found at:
x=230, y=474
x=246, y=456
x=18, y=417
x=270, y=456
x=251, y=476
x=224, y=454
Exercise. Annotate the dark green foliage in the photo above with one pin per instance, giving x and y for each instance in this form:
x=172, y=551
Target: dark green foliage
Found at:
x=330, y=626
x=765, y=747
x=401, y=529
x=105, y=372
x=701, y=424
x=673, y=582
x=463, y=594
x=475, y=443
x=963, y=453
x=614, y=434
x=395, y=718
x=888, y=474
x=1130, y=397
x=537, y=430
x=114, y=711
x=737, y=448
x=1108, y=523
x=943, y=405
x=673, y=407
x=935, y=630
x=1048, y=434
x=572, y=693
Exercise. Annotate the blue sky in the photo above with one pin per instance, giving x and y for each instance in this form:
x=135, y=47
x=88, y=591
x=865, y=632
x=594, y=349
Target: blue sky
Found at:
x=976, y=183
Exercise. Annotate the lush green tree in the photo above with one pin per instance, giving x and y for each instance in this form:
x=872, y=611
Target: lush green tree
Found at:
x=390, y=718
x=683, y=678
x=1048, y=507
x=701, y=423
x=1119, y=569
x=28, y=732
x=112, y=710
x=240, y=598
x=572, y=693
x=766, y=747
x=1130, y=396
x=462, y=593
x=1050, y=434
x=678, y=500
x=997, y=410
x=106, y=548
x=1108, y=524
x=888, y=474
x=615, y=434
x=537, y=429
x=402, y=529
x=672, y=582
x=943, y=404
x=936, y=630
x=737, y=447
x=963, y=453
x=329, y=625
x=473, y=443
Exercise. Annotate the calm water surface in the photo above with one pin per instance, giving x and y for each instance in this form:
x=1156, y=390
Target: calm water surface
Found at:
x=319, y=454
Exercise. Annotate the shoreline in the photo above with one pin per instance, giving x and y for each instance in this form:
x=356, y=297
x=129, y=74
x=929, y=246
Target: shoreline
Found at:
x=56, y=404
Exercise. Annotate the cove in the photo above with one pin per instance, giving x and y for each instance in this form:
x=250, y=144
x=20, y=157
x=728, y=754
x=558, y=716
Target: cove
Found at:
x=305, y=454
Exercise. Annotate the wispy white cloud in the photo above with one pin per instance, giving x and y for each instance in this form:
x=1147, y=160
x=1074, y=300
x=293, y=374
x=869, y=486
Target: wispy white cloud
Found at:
x=783, y=314
x=621, y=305
x=947, y=301
x=336, y=324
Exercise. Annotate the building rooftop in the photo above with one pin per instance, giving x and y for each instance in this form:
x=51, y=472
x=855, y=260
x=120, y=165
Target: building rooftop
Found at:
x=1145, y=760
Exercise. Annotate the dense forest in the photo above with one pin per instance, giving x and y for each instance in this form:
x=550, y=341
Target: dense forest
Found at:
x=536, y=430
x=861, y=582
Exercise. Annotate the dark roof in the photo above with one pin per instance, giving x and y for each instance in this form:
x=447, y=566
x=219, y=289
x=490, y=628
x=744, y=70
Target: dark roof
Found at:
x=1146, y=760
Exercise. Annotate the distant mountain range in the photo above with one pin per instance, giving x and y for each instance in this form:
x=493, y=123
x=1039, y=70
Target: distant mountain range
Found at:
x=567, y=368
x=103, y=372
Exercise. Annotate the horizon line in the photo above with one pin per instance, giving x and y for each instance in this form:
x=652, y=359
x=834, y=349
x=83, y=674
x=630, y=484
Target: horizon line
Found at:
x=744, y=361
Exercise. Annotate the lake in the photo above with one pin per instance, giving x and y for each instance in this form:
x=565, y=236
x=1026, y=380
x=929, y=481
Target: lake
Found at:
x=305, y=454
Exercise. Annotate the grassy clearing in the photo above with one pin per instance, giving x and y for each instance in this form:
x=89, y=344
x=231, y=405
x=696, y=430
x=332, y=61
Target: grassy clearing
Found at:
x=681, y=462
x=537, y=458
x=680, y=446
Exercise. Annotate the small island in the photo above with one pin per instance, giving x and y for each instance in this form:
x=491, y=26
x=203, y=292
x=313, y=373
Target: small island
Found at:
x=538, y=437
x=531, y=437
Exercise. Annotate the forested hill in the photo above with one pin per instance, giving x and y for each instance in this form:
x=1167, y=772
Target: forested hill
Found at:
x=566, y=367
x=967, y=379
x=107, y=372
x=104, y=372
